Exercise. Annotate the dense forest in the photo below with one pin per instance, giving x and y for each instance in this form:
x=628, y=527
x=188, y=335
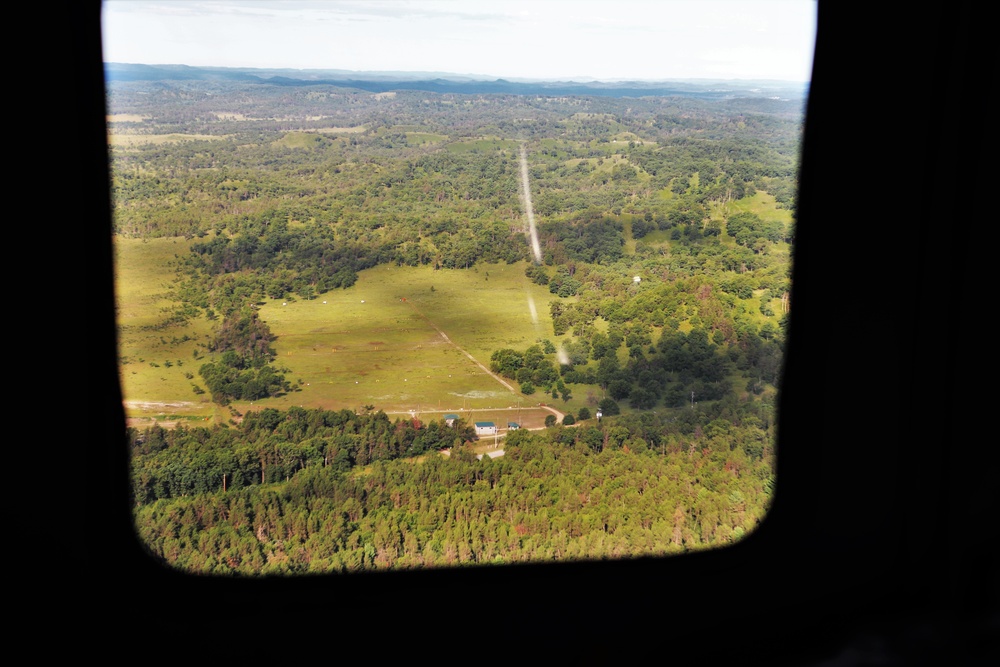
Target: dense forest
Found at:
x=289, y=191
x=314, y=491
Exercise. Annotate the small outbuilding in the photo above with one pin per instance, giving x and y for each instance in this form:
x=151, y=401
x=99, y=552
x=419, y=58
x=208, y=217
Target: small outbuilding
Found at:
x=450, y=419
x=513, y=426
x=486, y=428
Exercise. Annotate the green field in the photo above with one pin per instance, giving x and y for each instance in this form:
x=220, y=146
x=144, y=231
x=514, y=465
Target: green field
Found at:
x=482, y=146
x=761, y=204
x=155, y=356
x=397, y=340
x=119, y=140
x=303, y=140
x=377, y=343
x=421, y=138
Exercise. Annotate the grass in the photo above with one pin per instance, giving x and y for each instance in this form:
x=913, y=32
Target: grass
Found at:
x=342, y=130
x=366, y=345
x=147, y=341
x=625, y=137
x=666, y=194
x=482, y=146
x=118, y=140
x=421, y=138
x=302, y=140
x=762, y=204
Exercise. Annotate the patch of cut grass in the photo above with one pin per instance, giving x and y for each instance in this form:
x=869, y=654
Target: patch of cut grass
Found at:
x=119, y=140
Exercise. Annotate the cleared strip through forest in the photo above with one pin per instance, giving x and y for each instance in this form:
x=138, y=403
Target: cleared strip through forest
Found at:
x=536, y=250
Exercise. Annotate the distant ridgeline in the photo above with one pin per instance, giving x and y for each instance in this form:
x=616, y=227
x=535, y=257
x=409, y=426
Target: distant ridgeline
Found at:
x=438, y=82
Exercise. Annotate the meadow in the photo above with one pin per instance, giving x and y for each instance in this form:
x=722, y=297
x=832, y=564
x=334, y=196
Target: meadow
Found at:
x=157, y=354
x=120, y=140
x=380, y=342
x=398, y=340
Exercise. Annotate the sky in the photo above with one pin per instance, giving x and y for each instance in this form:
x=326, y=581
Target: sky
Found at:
x=535, y=39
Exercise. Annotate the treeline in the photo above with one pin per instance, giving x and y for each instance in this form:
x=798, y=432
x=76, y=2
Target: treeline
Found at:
x=627, y=487
x=680, y=368
x=531, y=369
x=271, y=446
x=255, y=162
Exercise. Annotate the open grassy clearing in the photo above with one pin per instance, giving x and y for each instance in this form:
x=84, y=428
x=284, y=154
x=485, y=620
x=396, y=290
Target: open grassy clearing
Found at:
x=349, y=354
x=482, y=145
x=486, y=308
x=155, y=356
x=126, y=118
x=303, y=140
x=350, y=348
x=342, y=130
x=386, y=351
x=762, y=204
x=666, y=194
x=230, y=115
x=656, y=237
x=120, y=140
x=626, y=137
x=610, y=162
x=421, y=138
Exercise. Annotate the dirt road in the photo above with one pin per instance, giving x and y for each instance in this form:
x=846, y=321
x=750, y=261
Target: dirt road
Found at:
x=529, y=210
x=444, y=336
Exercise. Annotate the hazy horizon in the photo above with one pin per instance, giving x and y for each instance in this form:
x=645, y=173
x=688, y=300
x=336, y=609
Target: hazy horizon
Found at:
x=417, y=74
x=553, y=40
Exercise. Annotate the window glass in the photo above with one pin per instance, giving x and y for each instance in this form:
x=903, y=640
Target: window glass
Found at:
x=421, y=284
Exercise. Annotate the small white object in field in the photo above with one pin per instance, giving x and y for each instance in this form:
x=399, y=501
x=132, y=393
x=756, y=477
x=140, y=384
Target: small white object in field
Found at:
x=285, y=304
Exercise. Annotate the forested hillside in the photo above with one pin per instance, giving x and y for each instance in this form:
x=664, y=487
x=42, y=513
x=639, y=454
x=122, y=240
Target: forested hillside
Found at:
x=665, y=227
x=285, y=493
